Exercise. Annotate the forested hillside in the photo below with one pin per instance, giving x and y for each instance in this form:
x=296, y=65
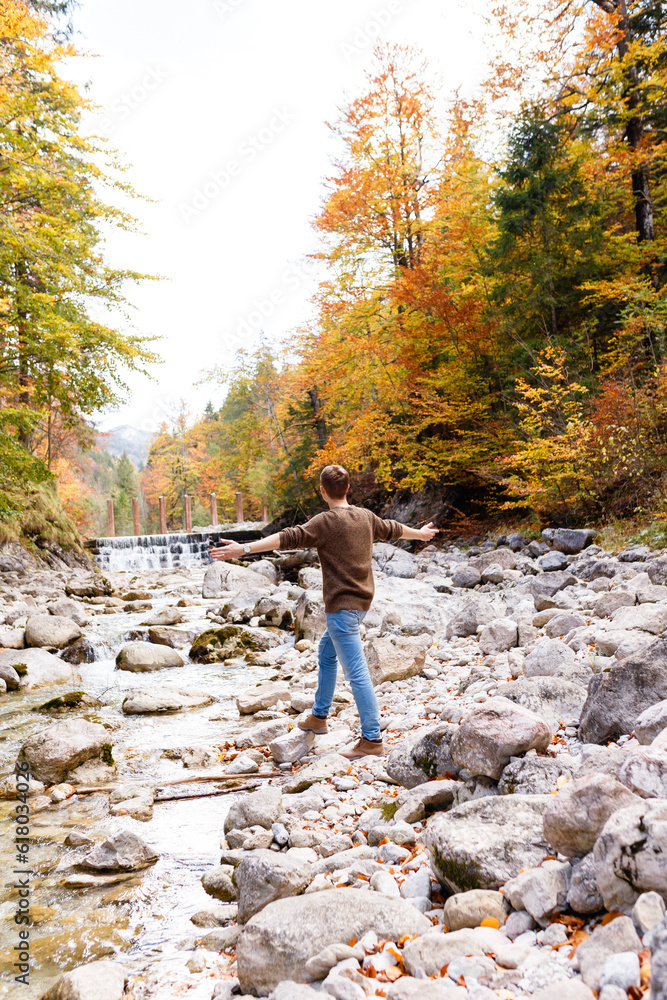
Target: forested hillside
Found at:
x=62, y=350
x=491, y=323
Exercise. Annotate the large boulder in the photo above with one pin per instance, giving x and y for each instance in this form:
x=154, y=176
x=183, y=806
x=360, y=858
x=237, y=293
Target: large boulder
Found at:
x=489, y=736
x=659, y=961
x=610, y=602
x=552, y=658
x=613, y=938
x=395, y=562
x=630, y=854
x=396, y=657
x=276, y=943
x=55, y=751
x=534, y=776
x=503, y=557
x=618, y=696
x=657, y=570
x=226, y=641
x=651, y=722
x=142, y=657
x=648, y=617
x=547, y=584
x=309, y=618
x=473, y=612
x=568, y=540
x=575, y=816
x=168, y=616
x=39, y=668
x=424, y=756
x=468, y=909
x=124, y=852
x=498, y=635
x=644, y=771
x=429, y=953
x=541, y=891
x=554, y=699
x=221, y=577
x=65, y=607
x=257, y=699
x=264, y=876
x=483, y=843
x=259, y=808
x=102, y=980
x=466, y=576
x=163, y=699
x=51, y=631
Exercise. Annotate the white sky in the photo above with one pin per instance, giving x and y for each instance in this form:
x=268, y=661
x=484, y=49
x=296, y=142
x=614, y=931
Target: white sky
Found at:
x=185, y=87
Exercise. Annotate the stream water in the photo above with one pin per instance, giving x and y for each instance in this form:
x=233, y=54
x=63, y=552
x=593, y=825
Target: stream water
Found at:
x=146, y=916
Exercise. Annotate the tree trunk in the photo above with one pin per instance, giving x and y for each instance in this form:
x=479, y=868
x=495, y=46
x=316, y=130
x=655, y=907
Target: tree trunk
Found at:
x=320, y=422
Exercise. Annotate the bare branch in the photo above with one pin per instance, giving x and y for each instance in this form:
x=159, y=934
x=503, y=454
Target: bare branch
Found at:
x=609, y=6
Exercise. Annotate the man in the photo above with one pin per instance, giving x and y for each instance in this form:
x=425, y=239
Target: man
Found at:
x=343, y=536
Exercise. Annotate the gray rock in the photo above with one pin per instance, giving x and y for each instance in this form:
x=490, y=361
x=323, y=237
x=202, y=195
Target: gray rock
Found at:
x=261, y=734
x=265, y=876
x=617, y=936
x=629, y=854
x=553, y=698
x=413, y=803
x=648, y=911
x=309, y=618
x=141, y=657
x=62, y=746
x=498, y=635
x=644, y=771
x=500, y=729
x=534, y=776
x=264, y=696
x=552, y=658
x=602, y=760
x=483, y=843
x=396, y=657
x=177, y=638
x=617, y=697
x=407, y=988
x=608, y=603
x=95, y=981
x=576, y=815
x=260, y=808
x=474, y=611
x=218, y=644
x=64, y=607
x=423, y=757
x=292, y=746
x=163, y=699
x=35, y=668
x=427, y=955
x=621, y=970
x=221, y=939
x=124, y=852
x=657, y=570
x=518, y=922
x=502, y=556
x=548, y=584
x=648, y=617
x=541, y=891
x=326, y=767
x=552, y=561
x=468, y=909
x=565, y=989
x=51, y=631
x=651, y=722
x=291, y=991
x=569, y=540
x=584, y=895
x=217, y=882
x=659, y=962
x=466, y=576
x=320, y=965
x=560, y=625
x=276, y=943
x=168, y=616
x=344, y=859
x=217, y=916
x=222, y=577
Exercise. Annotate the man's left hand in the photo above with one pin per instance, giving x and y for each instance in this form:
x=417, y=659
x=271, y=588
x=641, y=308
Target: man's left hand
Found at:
x=227, y=550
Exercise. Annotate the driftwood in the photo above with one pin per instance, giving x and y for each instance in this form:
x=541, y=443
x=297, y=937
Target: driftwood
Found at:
x=203, y=795
x=179, y=781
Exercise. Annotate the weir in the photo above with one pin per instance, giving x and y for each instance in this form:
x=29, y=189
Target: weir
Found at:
x=150, y=552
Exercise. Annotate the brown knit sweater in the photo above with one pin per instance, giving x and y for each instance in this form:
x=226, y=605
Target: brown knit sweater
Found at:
x=344, y=540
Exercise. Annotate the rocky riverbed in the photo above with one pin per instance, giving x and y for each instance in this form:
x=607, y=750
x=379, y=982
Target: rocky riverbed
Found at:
x=511, y=843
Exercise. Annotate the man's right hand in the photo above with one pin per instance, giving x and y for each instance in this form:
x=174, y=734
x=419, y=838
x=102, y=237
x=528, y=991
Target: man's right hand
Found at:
x=428, y=531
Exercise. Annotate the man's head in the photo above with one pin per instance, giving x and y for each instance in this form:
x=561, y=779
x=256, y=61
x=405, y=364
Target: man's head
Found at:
x=335, y=482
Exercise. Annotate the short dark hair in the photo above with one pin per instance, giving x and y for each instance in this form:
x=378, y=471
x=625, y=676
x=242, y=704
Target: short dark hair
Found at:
x=335, y=480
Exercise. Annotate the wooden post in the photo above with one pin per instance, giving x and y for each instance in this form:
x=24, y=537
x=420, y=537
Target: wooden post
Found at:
x=135, y=516
x=110, y=519
x=188, y=512
x=265, y=513
x=239, y=506
x=163, y=516
x=214, y=509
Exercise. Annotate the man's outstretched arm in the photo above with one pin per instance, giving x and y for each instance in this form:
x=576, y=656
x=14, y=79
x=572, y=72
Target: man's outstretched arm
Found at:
x=424, y=534
x=234, y=550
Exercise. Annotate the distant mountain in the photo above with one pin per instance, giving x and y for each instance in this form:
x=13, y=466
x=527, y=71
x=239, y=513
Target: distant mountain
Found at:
x=134, y=442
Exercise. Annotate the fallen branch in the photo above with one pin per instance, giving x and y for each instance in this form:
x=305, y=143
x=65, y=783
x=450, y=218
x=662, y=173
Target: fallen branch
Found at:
x=180, y=781
x=202, y=795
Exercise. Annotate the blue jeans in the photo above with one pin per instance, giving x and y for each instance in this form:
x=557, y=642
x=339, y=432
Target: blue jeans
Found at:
x=342, y=641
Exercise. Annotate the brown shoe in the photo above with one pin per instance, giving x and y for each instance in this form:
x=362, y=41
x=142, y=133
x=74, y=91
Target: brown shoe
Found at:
x=313, y=724
x=364, y=748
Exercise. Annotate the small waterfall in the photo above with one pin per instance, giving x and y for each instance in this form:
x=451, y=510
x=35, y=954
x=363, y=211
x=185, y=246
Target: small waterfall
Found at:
x=149, y=552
